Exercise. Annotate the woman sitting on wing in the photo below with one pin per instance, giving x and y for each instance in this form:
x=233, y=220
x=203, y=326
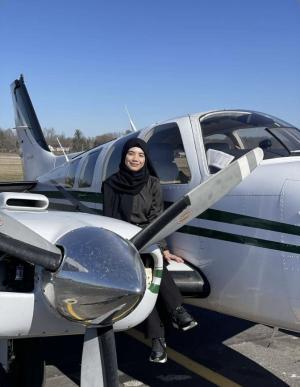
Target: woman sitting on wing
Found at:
x=133, y=194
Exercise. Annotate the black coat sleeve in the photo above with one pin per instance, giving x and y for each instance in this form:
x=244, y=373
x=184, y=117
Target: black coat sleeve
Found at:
x=108, y=199
x=157, y=203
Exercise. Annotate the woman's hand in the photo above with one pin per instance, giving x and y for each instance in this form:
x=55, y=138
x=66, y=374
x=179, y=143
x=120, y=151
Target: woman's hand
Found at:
x=171, y=257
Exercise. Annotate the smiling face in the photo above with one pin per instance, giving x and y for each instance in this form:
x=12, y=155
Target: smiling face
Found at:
x=135, y=159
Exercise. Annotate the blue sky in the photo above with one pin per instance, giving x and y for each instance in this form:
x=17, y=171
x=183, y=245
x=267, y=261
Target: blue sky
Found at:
x=84, y=60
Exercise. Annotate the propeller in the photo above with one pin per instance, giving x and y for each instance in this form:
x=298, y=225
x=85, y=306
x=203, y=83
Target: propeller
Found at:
x=94, y=278
x=20, y=241
x=96, y=275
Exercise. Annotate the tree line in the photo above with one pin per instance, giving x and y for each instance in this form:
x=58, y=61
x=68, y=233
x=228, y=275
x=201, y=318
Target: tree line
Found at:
x=77, y=143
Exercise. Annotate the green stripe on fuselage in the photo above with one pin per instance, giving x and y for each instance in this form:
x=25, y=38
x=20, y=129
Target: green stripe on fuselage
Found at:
x=249, y=221
x=245, y=240
x=212, y=215
x=83, y=196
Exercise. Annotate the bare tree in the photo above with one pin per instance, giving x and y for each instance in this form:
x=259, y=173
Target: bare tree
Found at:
x=103, y=138
x=8, y=141
x=79, y=141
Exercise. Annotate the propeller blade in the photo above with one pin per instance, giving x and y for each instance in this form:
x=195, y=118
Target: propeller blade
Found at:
x=198, y=200
x=21, y=242
x=99, y=358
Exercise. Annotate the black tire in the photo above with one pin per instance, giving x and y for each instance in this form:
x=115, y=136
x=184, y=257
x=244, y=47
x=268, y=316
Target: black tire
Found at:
x=28, y=367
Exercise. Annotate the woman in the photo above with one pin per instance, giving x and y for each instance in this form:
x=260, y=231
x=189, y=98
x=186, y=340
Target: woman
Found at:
x=133, y=194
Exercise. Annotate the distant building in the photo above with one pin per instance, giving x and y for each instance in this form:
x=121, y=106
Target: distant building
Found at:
x=58, y=149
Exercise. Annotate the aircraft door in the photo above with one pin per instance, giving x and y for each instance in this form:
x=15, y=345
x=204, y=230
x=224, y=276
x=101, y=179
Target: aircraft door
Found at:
x=173, y=154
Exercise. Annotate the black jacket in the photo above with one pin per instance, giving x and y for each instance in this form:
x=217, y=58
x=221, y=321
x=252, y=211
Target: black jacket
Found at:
x=147, y=204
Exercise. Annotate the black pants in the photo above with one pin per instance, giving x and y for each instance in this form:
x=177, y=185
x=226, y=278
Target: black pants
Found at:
x=169, y=298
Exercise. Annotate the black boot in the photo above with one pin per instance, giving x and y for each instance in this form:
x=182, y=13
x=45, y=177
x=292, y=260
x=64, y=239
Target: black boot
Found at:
x=159, y=353
x=181, y=319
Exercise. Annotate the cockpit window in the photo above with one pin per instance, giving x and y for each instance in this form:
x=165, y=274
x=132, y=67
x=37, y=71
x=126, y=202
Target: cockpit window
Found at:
x=290, y=137
x=230, y=120
x=237, y=132
x=253, y=137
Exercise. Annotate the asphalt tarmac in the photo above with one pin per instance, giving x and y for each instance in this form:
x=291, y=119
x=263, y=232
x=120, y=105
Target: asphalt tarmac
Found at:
x=221, y=351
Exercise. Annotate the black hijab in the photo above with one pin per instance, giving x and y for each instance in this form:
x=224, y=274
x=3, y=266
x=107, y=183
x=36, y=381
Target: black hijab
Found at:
x=122, y=186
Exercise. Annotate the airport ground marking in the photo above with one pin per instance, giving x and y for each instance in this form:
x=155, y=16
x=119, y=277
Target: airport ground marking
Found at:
x=189, y=364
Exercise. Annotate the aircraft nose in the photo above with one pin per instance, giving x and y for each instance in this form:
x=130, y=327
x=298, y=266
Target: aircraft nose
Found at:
x=101, y=278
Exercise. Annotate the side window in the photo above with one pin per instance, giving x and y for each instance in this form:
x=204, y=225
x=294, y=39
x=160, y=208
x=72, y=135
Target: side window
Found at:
x=115, y=155
x=70, y=177
x=168, y=154
x=87, y=170
x=57, y=176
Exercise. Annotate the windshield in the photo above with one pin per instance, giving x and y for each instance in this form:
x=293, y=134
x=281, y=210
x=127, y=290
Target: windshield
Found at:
x=236, y=132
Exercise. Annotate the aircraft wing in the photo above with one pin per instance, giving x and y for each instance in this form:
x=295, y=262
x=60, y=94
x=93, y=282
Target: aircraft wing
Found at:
x=198, y=200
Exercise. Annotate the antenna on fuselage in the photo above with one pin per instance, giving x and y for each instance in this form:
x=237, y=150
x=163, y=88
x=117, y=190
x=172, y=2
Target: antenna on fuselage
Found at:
x=63, y=151
x=132, y=126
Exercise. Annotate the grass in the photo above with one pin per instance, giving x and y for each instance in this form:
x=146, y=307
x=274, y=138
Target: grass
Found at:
x=10, y=167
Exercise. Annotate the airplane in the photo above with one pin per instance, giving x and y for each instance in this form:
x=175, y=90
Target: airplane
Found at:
x=238, y=236
x=78, y=272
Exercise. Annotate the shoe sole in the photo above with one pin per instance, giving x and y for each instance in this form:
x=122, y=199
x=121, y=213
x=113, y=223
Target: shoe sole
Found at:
x=164, y=360
x=192, y=325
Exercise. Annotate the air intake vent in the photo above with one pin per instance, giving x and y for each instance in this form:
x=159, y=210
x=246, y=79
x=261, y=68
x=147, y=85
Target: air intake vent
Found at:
x=23, y=201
